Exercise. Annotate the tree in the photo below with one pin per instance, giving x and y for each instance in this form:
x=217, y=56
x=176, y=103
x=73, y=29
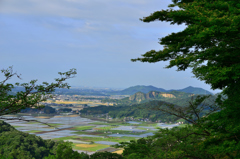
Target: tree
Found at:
x=213, y=32
x=32, y=95
x=15, y=144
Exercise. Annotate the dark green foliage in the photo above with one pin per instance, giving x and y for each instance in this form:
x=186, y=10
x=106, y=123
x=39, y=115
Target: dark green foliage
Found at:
x=19, y=145
x=137, y=111
x=145, y=110
x=174, y=143
x=142, y=148
x=213, y=32
x=64, y=150
x=105, y=155
x=65, y=110
x=32, y=95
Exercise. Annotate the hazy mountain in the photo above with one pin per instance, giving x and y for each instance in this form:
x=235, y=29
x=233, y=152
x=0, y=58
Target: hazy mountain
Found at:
x=135, y=89
x=146, y=89
x=194, y=90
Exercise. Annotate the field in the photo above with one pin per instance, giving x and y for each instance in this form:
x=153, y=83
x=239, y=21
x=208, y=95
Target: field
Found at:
x=89, y=147
x=86, y=134
x=79, y=102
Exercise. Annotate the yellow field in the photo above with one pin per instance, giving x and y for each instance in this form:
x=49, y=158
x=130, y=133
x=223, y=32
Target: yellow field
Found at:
x=86, y=145
x=89, y=147
x=66, y=116
x=42, y=117
x=79, y=102
x=118, y=152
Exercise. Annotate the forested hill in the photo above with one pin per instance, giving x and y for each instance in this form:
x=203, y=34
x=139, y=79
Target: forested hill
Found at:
x=146, y=89
x=193, y=90
x=140, y=97
x=134, y=89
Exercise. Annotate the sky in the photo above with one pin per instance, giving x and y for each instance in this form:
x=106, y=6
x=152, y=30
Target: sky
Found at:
x=98, y=38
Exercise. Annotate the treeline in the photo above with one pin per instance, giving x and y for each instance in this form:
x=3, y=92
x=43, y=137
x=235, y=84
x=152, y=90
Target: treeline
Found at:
x=46, y=110
x=147, y=109
x=136, y=112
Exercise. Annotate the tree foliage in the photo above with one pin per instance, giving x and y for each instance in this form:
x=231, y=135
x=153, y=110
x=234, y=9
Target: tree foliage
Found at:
x=213, y=33
x=32, y=95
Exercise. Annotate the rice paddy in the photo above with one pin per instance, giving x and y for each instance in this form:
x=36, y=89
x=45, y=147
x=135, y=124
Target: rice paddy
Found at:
x=89, y=147
x=82, y=131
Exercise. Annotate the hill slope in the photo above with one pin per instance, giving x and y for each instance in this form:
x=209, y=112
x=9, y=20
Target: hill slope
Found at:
x=146, y=89
x=138, y=88
x=194, y=90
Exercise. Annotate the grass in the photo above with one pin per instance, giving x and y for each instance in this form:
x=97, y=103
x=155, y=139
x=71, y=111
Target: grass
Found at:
x=89, y=139
x=106, y=128
x=112, y=139
x=143, y=129
x=89, y=147
x=83, y=128
x=17, y=126
x=32, y=131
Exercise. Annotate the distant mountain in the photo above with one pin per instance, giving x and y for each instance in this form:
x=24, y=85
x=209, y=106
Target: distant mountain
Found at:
x=155, y=95
x=146, y=89
x=135, y=89
x=194, y=90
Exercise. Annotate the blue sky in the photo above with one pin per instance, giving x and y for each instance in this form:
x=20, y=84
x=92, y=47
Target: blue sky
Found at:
x=97, y=37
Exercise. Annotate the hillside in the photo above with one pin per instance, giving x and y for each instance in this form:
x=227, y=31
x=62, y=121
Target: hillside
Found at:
x=155, y=95
x=140, y=97
x=194, y=90
x=146, y=89
x=138, y=88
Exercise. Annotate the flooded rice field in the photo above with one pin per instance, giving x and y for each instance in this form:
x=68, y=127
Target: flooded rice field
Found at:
x=80, y=131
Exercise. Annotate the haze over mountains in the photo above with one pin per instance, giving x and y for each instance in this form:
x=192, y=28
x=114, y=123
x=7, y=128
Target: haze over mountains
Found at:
x=128, y=91
x=146, y=89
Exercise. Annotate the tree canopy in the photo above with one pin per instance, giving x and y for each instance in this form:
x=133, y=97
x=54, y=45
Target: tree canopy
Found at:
x=213, y=33
x=212, y=30
x=33, y=93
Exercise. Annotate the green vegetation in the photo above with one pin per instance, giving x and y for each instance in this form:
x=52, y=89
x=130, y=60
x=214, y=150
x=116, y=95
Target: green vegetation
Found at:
x=20, y=145
x=136, y=111
x=32, y=94
x=83, y=128
x=89, y=147
x=17, y=126
x=147, y=89
x=213, y=133
x=89, y=139
x=213, y=30
x=32, y=131
x=105, y=128
x=176, y=97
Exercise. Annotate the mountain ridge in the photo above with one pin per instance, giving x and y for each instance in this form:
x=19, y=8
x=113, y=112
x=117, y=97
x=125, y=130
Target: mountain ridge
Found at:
x=145, y=89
